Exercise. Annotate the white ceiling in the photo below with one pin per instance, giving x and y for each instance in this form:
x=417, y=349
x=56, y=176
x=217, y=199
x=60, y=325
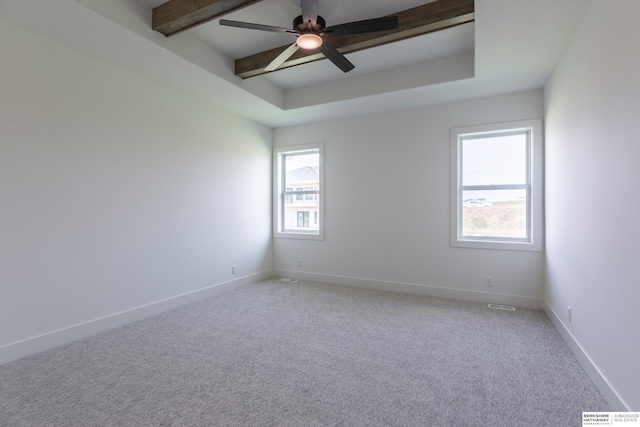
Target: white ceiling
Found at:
x=237, y=43
x=513, y=45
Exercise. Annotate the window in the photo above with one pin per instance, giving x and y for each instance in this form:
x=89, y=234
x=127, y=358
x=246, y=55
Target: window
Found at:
x=303, y=219
x=298, y=192
x=496, y=186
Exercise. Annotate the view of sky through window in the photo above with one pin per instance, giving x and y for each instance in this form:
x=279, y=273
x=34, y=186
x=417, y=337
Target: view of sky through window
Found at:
x=495, y=160
x=301, y=160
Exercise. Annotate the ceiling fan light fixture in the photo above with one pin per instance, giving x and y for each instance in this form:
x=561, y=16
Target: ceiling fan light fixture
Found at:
x=309, y=41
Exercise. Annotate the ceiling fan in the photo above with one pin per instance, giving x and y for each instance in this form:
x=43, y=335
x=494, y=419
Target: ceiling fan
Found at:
x=309, y=29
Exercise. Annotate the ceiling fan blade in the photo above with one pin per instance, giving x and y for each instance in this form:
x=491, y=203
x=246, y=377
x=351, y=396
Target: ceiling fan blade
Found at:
x=251, y=26
x=365, y=26
x=279, y=60
x=336, y=57
x=310, y=9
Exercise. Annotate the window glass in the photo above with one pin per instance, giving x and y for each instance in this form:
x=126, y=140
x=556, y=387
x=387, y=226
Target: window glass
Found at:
x=302, y=172
x=298, y=192
x=496, y=186
x=494, y=160
x=494, y=213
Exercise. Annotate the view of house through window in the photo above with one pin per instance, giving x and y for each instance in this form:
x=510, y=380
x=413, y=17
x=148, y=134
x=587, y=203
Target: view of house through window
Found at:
x=301, y=183
x=298, y=204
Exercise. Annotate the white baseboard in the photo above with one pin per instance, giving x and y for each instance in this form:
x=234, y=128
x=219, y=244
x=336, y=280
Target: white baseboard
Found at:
x=606, y=390
x=20, y=349
x=416, y=289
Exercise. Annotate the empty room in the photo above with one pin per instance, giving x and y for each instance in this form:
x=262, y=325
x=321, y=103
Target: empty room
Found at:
x=319, y=213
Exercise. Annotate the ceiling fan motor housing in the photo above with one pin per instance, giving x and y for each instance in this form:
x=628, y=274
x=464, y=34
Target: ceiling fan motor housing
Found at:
x=300, y=25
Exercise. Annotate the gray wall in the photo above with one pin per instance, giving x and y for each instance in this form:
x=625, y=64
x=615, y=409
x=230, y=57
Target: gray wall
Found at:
x=116, y=192
x=387, y=210
x=593, y=197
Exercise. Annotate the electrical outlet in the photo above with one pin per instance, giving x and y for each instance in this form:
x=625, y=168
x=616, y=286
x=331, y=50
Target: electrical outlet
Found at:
x=488, y=281
x=234, y=269
x=299, y=263
x=569, y=313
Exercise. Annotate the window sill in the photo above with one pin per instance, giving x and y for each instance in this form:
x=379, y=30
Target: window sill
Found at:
x=298, y=235
x=499, y=245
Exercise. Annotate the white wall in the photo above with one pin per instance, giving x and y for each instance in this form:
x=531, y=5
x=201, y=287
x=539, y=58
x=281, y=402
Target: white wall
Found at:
x=593, y=197
x=116, y=193
x=387, y=206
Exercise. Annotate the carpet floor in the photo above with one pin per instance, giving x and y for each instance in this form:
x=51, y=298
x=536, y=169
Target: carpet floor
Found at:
x=308, y=354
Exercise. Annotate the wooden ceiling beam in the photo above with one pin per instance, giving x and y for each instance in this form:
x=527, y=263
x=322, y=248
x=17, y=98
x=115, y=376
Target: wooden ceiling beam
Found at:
x=175, y=16
x=435, y=16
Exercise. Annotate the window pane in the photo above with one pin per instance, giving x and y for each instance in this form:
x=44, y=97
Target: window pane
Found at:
x=302, y=174
x=302, y=169
x=295, y=219
x=303, y=219
x=298, y=192
x=494, y=213
x=495, y=160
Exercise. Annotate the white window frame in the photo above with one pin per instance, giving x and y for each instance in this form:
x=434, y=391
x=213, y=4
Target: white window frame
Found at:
x=279, y=192
x=533, y=186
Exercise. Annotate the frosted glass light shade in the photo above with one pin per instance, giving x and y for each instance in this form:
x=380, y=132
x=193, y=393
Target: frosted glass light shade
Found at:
x=309, y=41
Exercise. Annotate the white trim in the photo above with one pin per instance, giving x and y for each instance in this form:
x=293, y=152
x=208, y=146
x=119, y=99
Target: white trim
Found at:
x=535, y=198
x=20, y=349
x=278, y=179
x=416, y=289
x=599, y=380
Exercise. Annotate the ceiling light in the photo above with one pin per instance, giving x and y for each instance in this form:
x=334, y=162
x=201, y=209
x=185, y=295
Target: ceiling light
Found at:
x=309, y=41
